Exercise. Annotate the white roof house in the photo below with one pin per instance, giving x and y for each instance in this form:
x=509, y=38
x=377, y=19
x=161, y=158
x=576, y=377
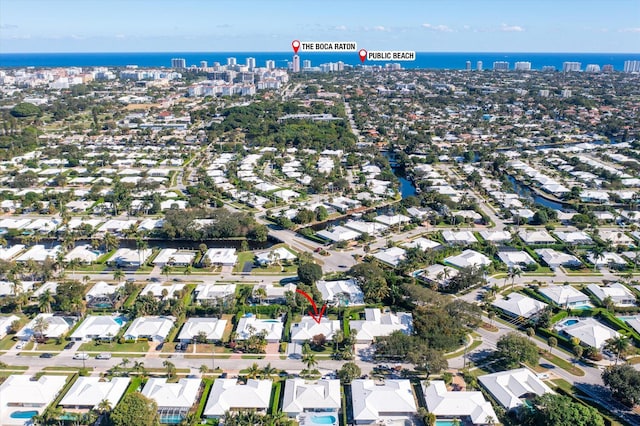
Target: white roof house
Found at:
x=516, y=258
x=393, y=400
x=87, y=392
x=83, y=253
x=509, y=388
x=98, y=327
x=519, y=305
x=555, y=258
x=437, y=273
x=211, y=291
x=371, y=228
x=174, y=257
x=391, y=256
x=8, y=253
x=536, y=236
x=338, y=233
x=495, y=236
x=38, y=253
x=331, y=290
x=377, y=324
x=620, y=294
x=608, y=259
x=589, y=331
x=271, y=256
x=468, y=258
x=565, y=296
x=575, y=237
x=301, y=396
x=459, y=237
x=222, y=256
x=274, y=292
x=58, y=326
x=391, y=220
x=250, y=325
x=180, y=396
x=464, y=405
x=304, y=330
x=229, y=395
x=102, y=294
x=154, y=328
x=615, y=237
x=130, y=257
x=7, y=288
x=422, y=243
x=19, y=394
x=156, y=289
x=5, y=324
x=212, y=327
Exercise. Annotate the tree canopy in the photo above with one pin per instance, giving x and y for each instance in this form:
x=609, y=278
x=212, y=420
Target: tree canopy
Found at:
x=558, y=410
x=624, y=383
x=514, y=349
x=25, y=109
x=135, y=409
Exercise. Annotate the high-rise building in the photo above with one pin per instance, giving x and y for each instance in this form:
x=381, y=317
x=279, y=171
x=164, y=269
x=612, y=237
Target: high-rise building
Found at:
x=306, y=64
x=468, y=66
x=571, y=66
x=339, y=66
x=522, y=66
x=631, y=66
x=479, y=66
x=501, y=66
x=607, y=68
x=566, y=93
x=179, y=63
x=270, y=64
x=231, y=62
x=251, y=63
x=592, y=68
x=296, y=63
x=204, y=64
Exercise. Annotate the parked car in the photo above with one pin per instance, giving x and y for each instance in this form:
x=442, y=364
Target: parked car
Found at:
x=181, y=347
x=69, y=345
x=46, y=355
x=103, y=356
x=20, y=345
x=82, y=356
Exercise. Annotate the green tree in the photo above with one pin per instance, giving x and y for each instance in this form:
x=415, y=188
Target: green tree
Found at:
x=558, y=410
x=135, y=409
x=349, y=372
x=371, y=279
x=552, y=342
x=617, y=345
x=309, y=272
x=515, y=349
x=624, y=383
x=25, y=109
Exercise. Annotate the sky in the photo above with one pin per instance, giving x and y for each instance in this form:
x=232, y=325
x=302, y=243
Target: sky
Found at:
x=28, y=26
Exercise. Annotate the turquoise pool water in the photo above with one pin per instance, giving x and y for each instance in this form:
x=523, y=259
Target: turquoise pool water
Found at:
x=323, y=420
x=171, y=419
x=120, y=320
x=446, y=423
x=570, y=322
x=23, y=414
x=270, y=320
x=103, y=305
x=581, y=307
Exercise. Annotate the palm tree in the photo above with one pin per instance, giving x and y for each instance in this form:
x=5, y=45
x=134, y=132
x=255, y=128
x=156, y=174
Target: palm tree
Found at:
x=253, y=371
x=618, y=344
x=110, y=241
x=260, y=293
x=39, y=327
x=118, y=274
x=166, y=270
x=598, y=254
x=310, y=361
x=45, y=300
x=187, y=270
x=138, y=367
x=268, y=371
x=171, y=368
x=125, y=362
x=104, y=406
x=512, y=274
x=204, y=369
x=141, y=246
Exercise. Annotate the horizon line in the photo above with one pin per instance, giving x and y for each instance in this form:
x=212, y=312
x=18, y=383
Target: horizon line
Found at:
x=312, y=53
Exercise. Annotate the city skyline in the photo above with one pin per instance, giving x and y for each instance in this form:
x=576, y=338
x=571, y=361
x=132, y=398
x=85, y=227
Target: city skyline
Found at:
x=487, y=26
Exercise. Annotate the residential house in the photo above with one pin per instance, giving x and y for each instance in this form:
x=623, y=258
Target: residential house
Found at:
x=470, y=407
x=378, y=324
x=392, y=400
x=511, y=389
x=230, y=395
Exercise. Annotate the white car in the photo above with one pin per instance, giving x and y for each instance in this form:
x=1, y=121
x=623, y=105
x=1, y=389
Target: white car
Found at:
x=20, y=345
x=105, y=355
x=83, y=356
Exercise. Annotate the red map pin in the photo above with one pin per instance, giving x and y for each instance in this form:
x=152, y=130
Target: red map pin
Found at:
x=363, y=55
x=296, y=45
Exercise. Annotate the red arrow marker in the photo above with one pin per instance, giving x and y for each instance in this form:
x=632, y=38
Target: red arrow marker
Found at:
x=296, y=45
x=363, y=55
x=317, y=316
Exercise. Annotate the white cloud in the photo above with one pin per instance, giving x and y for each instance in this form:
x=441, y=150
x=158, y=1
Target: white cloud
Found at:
x=340, y=28
x=441, y=28
x=120, y=36
x=380, y=28
x=630, y=30
x=511, y=28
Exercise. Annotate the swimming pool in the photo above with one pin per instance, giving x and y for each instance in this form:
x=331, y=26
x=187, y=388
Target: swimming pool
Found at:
x=120, y=320
x=581, y=307
x=172, y=419
x=23, y=414
x=322, y=420
x=446, y=423
x=570, y=322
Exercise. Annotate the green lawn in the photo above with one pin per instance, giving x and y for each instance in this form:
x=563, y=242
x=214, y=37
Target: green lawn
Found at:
x=461, y=352
x=243, y=257
x=565, y=365
x=96, y=267
x=115, y=347
x=51, y=345
x=7, y=342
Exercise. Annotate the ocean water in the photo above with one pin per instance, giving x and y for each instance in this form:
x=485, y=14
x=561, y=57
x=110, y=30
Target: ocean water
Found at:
x=424, y=60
